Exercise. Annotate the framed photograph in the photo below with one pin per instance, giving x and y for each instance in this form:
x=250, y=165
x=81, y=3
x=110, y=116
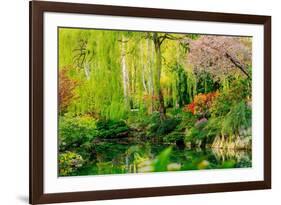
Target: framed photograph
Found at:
x=139, y=102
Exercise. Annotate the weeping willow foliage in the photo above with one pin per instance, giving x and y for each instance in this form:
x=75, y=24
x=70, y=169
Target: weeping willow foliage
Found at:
x=102, y=92
x=116, y=72
x=177, y=80
x=191, y=85
x=94, y=59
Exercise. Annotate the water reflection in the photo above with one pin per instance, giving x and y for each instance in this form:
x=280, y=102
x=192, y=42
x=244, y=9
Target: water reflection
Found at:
x=231, y=154
x=117, y=158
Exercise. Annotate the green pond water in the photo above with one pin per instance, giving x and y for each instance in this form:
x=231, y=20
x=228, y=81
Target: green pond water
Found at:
x=121, y=157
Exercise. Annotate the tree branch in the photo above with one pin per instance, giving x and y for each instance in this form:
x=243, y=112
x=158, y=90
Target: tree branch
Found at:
x=162, y=38
x=237, y=64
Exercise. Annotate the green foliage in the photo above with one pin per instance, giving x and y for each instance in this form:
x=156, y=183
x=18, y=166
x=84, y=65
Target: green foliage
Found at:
x=238, y=90
x=69, y=163
x=239, y=117
x=167, y=125
x=160, y=128
x=162, y=160
x=197, y=133
x=213, y=127
x=174, y=137
x=230, y=112
x=74, y=131
x=181, y=85
x=102, y=92
x=206, y=82
x=187, y=120
x=196, y=159
x=111, y=129
x=191, y=85
x=228, y=164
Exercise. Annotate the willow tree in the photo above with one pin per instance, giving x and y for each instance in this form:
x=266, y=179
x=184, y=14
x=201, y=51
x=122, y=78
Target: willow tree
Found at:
x=93, y=59
x=158, y=39
x=106, y=80
x=117, y=70
x=149, y=68
x=125, y=74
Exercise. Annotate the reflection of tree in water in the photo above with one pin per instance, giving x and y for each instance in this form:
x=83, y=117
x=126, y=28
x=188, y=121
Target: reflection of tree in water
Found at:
x=114, y=158
x=232, y=154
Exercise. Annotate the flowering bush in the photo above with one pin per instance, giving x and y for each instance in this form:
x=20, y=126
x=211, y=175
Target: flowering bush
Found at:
x=69, y=162
x=191, y=108
x=201, y=104
x=66, y=89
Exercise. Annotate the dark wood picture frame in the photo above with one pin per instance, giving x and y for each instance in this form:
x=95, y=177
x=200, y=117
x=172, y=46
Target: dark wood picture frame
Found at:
x=37, y=9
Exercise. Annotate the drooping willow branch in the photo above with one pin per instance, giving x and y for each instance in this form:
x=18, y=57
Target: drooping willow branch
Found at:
x=81, y=57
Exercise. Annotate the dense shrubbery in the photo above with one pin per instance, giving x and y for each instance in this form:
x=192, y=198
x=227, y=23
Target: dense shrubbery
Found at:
x=111, y=129
x=166, y=126
x=238, y=118
x=224, y=112
x=229, y=114
x=74, y=131
x=206, y=82
x=69, y=163
x=80, y=131
x=209, y=115
x=196, y=133
x=231, y=111
x=238, y=90
x=174, y=137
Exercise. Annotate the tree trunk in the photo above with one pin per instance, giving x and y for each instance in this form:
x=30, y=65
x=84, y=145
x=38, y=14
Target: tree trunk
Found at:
x=143, y=69
x=87, y=70
x=237, y=64
x=157, y=76
x=150, y=64
x=125, y=75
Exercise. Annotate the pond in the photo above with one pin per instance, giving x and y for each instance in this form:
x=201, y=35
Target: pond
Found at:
x=119, y=157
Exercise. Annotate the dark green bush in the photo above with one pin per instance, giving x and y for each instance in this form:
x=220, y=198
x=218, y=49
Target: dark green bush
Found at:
x=167, y=126
x=110, y=128
x=160, y=128
x=174, y=137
